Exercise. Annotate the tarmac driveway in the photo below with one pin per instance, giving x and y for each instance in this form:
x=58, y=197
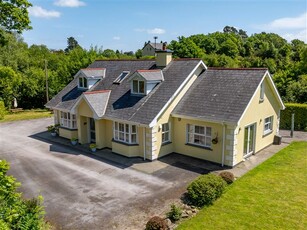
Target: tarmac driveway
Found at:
x=85, y=192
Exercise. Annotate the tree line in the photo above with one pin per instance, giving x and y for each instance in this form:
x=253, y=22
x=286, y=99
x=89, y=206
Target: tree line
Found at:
x=286, y=61
x=23, y=68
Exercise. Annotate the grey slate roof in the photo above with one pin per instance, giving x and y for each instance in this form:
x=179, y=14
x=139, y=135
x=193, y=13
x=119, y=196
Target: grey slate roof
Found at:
x=98, y=100
x=143, y=109
x=158, y=45
x=67, y=97
x=151, y=75
x=220, y=94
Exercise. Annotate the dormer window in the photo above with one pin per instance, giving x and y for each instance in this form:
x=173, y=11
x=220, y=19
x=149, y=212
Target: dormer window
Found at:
x=144, y=81
x=82, y=82
x=138, y=87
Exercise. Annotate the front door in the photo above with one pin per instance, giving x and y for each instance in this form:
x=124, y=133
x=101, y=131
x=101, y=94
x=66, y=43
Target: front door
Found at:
x=92, y=130
x=249, y=139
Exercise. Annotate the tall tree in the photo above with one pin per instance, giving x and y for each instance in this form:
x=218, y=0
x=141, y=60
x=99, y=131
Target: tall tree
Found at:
x=72, y=43
x=14, y=17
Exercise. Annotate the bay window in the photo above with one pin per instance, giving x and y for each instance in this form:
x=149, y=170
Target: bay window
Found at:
x=68, y=120
x=125, y=133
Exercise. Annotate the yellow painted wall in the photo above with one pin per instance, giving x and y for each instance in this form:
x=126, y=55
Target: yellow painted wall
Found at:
x=100, y=131
x=179, y=140
x=256, y=113
x=82, y=129
x=84, y=109
x=69, y=134
x=162, y=150
x=163, y=58
x=108, y=133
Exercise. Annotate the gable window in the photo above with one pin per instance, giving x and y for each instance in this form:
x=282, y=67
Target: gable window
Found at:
x=199, y=135
x=125, y=133
x=262, y=91
x=82, y=82
x=268, y=125
x=166, y=133
x=138, y=87
x=68, y=120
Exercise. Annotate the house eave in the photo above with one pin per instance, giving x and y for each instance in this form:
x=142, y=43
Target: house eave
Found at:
x=204, y=119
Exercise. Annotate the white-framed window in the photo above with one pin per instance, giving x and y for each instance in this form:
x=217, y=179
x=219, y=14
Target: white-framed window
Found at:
x=268, y=125
x=138, y=87
x=125, y=133
x=68, y=120
x=199, y=135
x=82, y=82
x=166, y=135
x=261, y=92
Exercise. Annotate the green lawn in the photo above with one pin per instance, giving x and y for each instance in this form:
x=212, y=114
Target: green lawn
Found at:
x=271, y=196
x=26, y=115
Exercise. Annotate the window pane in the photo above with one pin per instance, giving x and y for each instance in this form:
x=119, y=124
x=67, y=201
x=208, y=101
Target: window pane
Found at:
x=201, y=130
x=135, y=86
x=208, y=131
x=133, y=129
x=208, y=141
x=80, y=82
x=142, y=87
x=127, y=128
x=121, y=127
x=127, y=137
x=121, y=136
x=133, y=138
x=84, y=82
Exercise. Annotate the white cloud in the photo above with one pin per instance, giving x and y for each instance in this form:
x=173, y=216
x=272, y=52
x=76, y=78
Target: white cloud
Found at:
x=39, y=12
x=151, y=31
x=69, y=3
x=156, y=31
x=116, y=38
x=288, y=27
x=301, y=35
x=298, y=22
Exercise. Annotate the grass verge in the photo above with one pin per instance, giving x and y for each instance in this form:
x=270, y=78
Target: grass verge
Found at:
x=26, y=115
x=271, y=196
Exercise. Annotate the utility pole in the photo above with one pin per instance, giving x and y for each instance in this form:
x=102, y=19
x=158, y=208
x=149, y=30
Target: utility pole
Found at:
x=155, y=37
x=46, y=75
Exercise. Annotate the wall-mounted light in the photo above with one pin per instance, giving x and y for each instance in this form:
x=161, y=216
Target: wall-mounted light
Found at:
x=260, y=120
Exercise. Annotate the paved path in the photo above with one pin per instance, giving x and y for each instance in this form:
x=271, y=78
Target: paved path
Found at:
x=266, y=153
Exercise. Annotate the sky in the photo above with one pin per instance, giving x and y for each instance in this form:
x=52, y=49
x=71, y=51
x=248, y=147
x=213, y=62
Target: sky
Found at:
x=125, y=25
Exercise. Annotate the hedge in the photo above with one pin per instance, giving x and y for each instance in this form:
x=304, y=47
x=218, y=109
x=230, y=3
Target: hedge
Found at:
x=300, y=117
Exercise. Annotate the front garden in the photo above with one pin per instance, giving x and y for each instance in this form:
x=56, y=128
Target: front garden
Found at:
x=271, y=196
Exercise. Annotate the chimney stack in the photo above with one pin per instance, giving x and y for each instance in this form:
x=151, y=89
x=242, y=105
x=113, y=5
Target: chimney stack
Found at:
x=163, y=57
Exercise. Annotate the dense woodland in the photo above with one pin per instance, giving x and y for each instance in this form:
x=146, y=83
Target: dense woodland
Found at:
x=23, y=67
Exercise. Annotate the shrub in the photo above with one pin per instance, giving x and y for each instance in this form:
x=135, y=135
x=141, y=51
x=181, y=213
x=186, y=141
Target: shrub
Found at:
x=300, y=117
x=2, y=110
x=228, y=177
x=16, y=212
x=175, y=213
x=156, y=223
x=205, y=189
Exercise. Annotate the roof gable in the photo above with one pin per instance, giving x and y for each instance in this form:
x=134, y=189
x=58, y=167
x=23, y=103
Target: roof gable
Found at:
x=149, y=75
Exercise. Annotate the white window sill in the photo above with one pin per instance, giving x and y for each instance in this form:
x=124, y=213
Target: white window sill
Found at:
x=267, y=132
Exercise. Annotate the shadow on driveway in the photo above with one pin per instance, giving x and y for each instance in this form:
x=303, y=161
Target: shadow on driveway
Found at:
x=157, y=167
